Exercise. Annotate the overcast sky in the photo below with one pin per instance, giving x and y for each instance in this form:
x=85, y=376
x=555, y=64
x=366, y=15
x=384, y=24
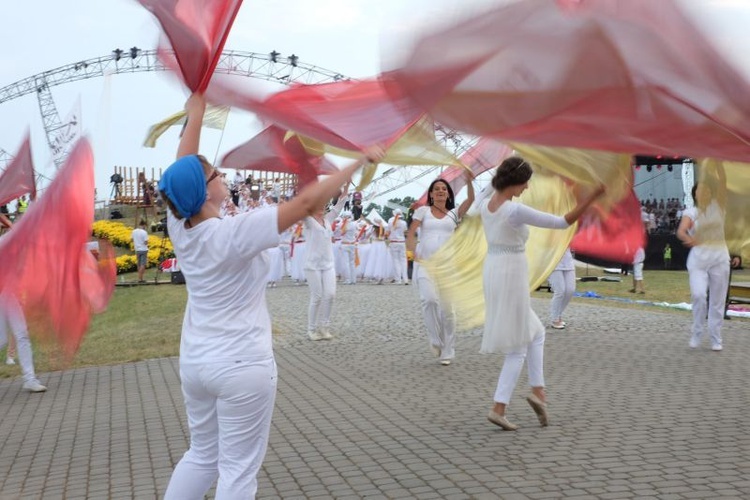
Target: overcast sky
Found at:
x=346, y=36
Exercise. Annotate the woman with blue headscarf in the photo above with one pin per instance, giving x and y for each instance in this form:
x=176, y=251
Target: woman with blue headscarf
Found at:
x=227, y=366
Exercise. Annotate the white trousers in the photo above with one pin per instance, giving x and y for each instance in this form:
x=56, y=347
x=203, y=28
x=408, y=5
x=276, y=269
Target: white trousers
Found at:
x=286, y=255
x=533, y=353
x=563, y=285
x=322, y=286
x=441, y=327
x=229, y=408
x=400, y=265
x=347, y=252
x=12, y=314
x=708, y=290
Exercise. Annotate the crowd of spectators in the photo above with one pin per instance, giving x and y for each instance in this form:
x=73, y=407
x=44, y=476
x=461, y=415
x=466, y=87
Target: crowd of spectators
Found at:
x=661, y=217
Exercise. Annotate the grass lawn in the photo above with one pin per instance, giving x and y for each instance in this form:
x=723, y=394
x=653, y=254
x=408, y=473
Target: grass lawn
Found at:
x=143, y=322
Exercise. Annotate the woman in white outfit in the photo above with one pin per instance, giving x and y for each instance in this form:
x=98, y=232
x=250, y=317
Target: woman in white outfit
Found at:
x=563, y=283
x=397, y=246
x=227, y=367
x=702, y=229
x=511, y=325
x=320, y=270
x=436, y=222
x=349, y=233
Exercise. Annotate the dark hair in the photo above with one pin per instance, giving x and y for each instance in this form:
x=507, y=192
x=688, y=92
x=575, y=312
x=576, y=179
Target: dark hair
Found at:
x=142, y=223
x=450, y=203
x=512, y=171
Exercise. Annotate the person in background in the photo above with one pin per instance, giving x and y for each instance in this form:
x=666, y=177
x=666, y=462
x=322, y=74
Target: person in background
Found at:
x=638, y=259
x=397, y=246
x=140, y=244
x=563, y=283
x=11, y=314
x=667, y=256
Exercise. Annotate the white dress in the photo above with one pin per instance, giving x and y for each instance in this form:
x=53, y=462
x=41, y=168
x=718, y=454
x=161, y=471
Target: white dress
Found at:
x=510, y=322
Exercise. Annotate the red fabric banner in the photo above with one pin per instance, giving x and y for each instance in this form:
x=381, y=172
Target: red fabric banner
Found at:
x=270, y=151
x=486, y=154
x=197, y=31
x=46, y=265
x=631, y=77
x=346, y=114
x=615, y=236
x=18, y=177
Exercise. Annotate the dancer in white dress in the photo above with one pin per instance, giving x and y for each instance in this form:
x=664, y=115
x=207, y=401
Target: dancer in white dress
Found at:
x=349, y=232
x=397, y=246
x=702, y=230
x=511, y=326
x=436, y=222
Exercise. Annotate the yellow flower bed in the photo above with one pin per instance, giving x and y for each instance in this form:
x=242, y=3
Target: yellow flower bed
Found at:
x=120, y=236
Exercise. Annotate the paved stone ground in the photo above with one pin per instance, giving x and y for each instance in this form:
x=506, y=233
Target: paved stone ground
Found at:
x=635, y=413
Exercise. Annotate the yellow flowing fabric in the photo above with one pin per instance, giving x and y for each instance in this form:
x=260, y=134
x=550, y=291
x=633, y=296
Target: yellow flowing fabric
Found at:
x=737, y=219
x=417, y=146
x=215, y=117
x=585, y=167
x=456, y=269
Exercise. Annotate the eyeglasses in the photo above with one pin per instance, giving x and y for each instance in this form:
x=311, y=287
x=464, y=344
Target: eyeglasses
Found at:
x=213, y=176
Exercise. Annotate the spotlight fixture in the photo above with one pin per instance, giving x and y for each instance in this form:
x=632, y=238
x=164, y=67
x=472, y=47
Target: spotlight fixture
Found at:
x=273, y=56
x=134, y=51
x=117, y=54
x=293, y=60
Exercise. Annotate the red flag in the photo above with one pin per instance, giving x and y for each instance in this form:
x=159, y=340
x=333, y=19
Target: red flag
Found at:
x=484, y=155
x=347, y=114
x=18, y=178
x=270, y=152
x=635, y=76
x=614, y=237
x=197, y=31
x=45, y=261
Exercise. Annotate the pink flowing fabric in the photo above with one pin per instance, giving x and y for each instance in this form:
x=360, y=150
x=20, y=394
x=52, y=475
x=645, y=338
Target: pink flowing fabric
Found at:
x=615, y=236
x=197, y=31
x=630, y=76
x=46, y=265
x=486, y=154
x=271, y=151
x=347, y=114
x=18, y=178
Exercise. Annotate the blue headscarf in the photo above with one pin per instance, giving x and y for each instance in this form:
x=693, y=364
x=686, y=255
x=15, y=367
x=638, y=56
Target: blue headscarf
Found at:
x=185, y=184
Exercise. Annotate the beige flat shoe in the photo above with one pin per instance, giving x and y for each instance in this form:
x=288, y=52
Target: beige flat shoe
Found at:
x=539, y=408
x=501, y=421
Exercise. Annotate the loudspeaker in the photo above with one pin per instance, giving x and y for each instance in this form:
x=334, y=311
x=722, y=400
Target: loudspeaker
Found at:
x=178, y=278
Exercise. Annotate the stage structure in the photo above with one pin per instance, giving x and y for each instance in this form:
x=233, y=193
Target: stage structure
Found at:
x=663, y=177
x=272, y=67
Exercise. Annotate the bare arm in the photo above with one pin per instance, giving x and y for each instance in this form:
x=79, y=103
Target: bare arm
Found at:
x=686, y=223
x=191, y=134
x=5, y=222
x=583, y=205
x=411, y=236
x=470, y=192
x=314, y=195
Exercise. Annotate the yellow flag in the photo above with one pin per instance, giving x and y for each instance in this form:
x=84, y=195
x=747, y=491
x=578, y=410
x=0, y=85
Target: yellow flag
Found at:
x=215, y=117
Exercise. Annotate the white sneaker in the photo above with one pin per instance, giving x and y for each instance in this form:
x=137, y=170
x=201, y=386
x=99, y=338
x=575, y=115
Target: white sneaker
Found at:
x=694, y=343
x=314, y=335
x=34, y=386
x=10, y=361
x=716, y=347
x=325, y=333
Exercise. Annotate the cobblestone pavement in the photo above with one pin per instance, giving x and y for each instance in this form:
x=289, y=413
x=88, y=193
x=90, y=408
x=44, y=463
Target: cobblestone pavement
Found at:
x=634, y=412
